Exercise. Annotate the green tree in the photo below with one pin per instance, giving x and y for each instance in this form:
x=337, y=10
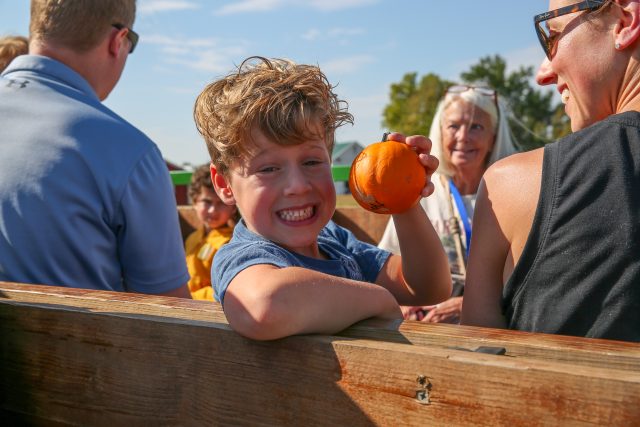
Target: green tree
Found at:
x=413, y=104
x=534, y=119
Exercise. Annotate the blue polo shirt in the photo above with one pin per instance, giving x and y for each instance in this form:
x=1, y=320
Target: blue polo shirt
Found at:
x=86, y=200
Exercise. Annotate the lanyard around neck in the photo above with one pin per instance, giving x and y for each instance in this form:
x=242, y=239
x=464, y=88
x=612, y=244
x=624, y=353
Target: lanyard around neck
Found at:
x=462, y=210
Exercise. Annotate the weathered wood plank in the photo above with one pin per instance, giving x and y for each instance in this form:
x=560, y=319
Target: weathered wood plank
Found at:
x=616, y=354
x=588, y=352
x=100, y=358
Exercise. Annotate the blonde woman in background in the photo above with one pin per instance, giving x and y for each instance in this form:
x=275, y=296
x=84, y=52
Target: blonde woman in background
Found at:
x=469, y=132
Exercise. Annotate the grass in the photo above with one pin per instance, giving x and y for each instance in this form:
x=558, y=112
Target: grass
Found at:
x=345, y=201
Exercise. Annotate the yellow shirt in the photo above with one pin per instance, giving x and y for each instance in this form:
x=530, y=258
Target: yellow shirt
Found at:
x=200, y=250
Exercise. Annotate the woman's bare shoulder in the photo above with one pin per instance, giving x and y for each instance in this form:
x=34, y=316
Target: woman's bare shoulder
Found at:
x=512, y=187
x=514, y=170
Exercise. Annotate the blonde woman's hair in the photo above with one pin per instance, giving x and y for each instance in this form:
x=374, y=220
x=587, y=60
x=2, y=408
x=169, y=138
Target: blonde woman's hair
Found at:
x=504, y=143
x=78, y=24
x=10, y=47
x=288, y=102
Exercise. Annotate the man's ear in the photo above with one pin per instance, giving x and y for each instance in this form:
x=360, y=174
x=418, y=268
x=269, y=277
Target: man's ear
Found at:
x=116, y=39
x=222, y=187
x=628, y=26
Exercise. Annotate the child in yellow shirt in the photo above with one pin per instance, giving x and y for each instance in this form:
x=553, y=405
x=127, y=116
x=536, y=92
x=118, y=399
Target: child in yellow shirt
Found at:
x=217, y=221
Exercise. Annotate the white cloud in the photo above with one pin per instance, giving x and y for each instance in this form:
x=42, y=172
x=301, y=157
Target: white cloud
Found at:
x=249, y=6
x=314, y=34
x=243, y=6
x=208, y=55
x=329, y=5
x=154, y=6
x=347, y=65
x=367, y=114
x=341, y=32
x=530, y=56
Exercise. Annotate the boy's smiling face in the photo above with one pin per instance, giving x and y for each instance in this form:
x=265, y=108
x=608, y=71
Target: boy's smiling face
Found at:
x=285, y=193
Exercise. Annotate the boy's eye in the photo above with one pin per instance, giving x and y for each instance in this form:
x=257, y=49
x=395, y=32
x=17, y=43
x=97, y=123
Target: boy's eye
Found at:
x=313, y=162
x=267, y=169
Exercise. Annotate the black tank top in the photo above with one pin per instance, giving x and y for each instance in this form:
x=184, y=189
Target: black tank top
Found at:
x=579, y=273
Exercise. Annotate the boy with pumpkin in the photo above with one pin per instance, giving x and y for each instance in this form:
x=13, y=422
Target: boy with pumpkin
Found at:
x=288, y=269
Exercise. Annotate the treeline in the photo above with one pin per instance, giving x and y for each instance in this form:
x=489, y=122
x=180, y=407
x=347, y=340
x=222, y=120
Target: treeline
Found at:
x=534, y=117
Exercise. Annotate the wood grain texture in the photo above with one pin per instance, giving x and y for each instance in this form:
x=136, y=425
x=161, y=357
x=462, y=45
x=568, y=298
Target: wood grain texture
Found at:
x=79, y=357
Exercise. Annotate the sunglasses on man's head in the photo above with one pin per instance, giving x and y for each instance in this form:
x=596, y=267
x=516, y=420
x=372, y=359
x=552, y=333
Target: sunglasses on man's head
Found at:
x=131, y=35
x=549, y=40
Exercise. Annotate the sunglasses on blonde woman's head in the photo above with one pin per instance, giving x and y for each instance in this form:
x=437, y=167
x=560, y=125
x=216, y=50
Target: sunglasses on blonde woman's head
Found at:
x=549, y=38
x=482, y=90
x=132, y=36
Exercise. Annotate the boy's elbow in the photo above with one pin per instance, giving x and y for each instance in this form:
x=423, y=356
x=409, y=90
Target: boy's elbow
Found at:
x=258, y=320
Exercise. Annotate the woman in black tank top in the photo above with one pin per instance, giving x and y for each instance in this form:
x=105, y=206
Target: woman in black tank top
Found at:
x=556, y=242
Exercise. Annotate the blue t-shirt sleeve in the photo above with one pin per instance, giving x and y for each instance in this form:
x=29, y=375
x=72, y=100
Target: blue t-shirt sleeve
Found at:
x=236, y=256
x=149, y=240
x=370, y=258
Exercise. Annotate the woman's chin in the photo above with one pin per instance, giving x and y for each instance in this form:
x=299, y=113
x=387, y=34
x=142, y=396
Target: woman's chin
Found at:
x=467, y=163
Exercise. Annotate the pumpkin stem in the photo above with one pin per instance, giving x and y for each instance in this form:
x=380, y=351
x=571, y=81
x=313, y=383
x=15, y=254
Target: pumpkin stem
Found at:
x=384, y=136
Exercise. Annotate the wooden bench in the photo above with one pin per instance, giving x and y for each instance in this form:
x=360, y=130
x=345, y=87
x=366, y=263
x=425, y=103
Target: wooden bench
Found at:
x=80, y=357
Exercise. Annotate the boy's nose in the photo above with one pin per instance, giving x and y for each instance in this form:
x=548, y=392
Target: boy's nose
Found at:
x=297, y=182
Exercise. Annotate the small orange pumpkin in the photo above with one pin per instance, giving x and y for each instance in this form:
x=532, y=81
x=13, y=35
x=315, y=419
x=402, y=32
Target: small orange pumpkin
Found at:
x=387, y=177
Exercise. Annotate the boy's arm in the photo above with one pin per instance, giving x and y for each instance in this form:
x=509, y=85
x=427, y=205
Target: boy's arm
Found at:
x=264, y=302
x=421, y=275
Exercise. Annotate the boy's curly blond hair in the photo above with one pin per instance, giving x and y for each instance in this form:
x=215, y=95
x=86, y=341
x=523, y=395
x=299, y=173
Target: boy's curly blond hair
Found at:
x=286, y=101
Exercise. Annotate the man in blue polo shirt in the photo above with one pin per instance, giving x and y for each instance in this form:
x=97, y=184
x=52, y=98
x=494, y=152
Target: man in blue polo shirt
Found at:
x=85, y=198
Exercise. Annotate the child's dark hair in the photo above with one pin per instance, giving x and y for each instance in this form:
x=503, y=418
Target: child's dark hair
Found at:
x=200, y=179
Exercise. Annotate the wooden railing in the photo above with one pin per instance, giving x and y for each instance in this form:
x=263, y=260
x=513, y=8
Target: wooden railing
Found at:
x=93, y=358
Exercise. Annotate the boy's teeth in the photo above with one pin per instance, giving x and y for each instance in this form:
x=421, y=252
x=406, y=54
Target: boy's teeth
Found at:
x=297, y=215
x=565, y=96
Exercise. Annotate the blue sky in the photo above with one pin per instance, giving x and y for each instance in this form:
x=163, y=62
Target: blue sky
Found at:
x=362, y=45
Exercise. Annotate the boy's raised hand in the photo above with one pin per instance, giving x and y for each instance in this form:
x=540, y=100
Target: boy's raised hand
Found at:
x=422, y=145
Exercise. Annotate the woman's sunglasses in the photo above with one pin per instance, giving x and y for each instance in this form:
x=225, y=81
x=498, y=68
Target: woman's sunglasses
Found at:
x=549, y=40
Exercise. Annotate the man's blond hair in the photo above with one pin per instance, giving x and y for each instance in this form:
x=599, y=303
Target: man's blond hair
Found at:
x=288, y=102
x=78, y=24
x=10, y=47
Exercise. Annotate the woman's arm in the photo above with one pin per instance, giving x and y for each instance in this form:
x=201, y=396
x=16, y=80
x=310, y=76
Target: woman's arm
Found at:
x=503, y=216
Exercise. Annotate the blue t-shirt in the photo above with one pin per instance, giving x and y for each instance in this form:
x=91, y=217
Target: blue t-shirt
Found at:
x=86, y=200
x=348, y=256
